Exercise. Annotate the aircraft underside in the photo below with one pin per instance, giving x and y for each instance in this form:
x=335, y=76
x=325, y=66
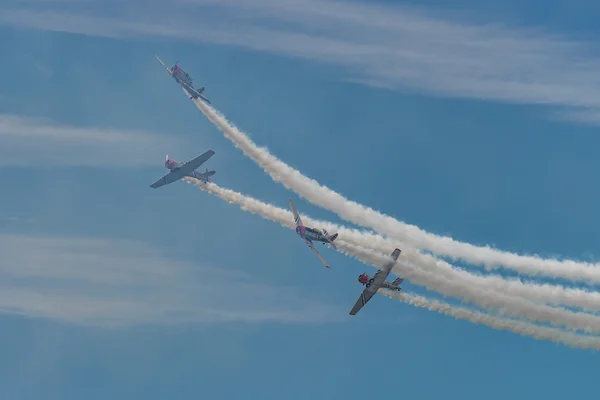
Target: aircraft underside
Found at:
x=315, y=237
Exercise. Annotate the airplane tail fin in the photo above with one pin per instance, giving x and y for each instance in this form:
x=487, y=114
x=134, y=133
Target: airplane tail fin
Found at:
x=333, y=237
x=201, y=90
x=396, y=254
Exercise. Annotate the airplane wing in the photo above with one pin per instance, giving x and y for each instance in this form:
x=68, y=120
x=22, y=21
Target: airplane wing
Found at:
x=382, y=274
x=297, y=218
x=196, y=162
x=168, y=178
x=364, y=298
x=162, y=63
x=310, y=244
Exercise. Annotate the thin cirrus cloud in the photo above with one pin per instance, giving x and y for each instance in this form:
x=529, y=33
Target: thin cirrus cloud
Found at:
x=396, y=47
x=26, y=141
x=106, y=282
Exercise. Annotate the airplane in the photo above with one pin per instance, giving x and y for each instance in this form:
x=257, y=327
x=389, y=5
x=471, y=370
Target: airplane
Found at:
x=310, y=234
x=180, y=170
x=184, y=79
x=373, y=284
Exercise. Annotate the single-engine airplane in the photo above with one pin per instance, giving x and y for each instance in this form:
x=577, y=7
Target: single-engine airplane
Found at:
x=180, y=170
x=373, y=284
x=310, y=234
x=184, y=79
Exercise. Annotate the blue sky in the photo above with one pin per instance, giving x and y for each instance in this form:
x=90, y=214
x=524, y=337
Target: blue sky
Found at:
x=477, y=121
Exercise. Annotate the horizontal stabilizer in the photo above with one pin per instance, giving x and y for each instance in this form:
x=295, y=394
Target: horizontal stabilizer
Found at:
x=205, y=99
x=204, y=176
x=397, y=282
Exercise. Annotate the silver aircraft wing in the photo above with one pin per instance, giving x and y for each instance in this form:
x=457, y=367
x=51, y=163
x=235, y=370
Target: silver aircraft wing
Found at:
x=165, y=180
x=196, y=162
x=381, y=275
x=310, y=244
x=163, y=64
x=364, y=298
x=297, y=218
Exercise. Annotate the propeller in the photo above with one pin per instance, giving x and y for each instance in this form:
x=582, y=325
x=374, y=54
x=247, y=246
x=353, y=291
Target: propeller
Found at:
x=167, y=158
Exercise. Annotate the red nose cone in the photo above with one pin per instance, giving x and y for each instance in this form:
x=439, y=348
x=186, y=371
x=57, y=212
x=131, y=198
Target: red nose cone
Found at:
x=362, y=278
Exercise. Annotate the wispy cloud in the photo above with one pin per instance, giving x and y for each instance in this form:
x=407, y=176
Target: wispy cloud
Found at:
x=17, y=219
x=31, y=141
x=118, y=282
x=395, y=47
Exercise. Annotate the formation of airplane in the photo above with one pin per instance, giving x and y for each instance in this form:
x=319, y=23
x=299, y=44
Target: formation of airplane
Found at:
x=180, y=170
x=308, y=234
x=184, y=79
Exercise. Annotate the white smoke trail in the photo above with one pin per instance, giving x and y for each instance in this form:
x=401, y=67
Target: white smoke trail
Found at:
x=541, y=293
x=448, y=281
x=285, y=218
x=351, y=211
x=519, y=327
x=489, y=298
x=546, y=293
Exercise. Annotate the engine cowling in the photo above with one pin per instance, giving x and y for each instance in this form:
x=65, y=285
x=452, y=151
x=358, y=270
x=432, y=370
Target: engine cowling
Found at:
x=363, y=278
x=169, y=164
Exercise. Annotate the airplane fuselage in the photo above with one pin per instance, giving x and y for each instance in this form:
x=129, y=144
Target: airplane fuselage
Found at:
x=184, y=79
x=181, y=76
x=365, y=279
x=311, y=234
x=175, y=166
